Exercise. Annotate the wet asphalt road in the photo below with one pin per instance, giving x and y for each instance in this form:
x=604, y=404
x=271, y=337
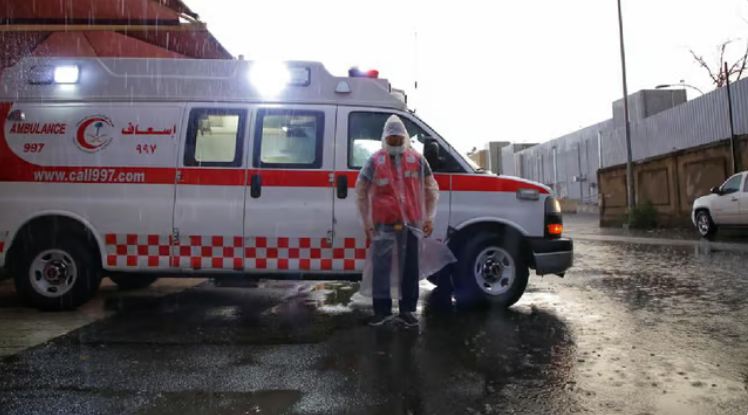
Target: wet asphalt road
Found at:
x=632, y=329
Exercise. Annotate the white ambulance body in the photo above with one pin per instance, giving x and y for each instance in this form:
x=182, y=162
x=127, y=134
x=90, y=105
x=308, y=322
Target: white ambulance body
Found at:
x=141, y=168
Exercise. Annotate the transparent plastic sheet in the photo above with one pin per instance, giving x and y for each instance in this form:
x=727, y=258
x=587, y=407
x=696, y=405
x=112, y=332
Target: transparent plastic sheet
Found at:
x=433, y=255
x=383, y=243
x=396, y=196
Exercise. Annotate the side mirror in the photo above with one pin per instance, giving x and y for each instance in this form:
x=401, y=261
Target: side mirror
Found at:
x=715, y=190
x=431, y=152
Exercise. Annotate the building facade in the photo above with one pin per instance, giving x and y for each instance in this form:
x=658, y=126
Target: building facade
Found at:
x=662, y=124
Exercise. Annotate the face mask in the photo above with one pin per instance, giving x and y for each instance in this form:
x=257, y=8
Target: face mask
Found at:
x=395, y=150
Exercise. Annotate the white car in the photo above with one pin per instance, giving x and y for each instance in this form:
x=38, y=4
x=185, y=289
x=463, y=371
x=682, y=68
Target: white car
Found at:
x=726, y=206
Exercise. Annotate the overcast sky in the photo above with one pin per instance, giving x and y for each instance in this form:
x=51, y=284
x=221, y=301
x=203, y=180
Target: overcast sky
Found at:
x=521, y=71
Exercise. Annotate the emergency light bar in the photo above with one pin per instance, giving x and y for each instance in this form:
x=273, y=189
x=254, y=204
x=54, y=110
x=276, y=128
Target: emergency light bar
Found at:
x=66, y=74
x=83, y=79
x=47, y=74
x=271, y=77
x=358, y=73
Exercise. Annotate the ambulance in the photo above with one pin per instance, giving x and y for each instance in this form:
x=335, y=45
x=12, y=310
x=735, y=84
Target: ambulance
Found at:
x=137, y=169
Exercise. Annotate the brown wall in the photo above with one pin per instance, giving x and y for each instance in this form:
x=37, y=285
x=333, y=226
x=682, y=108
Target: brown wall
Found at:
x=612, y=194
x=743, y=148
x=671, y=182
x=700, y=171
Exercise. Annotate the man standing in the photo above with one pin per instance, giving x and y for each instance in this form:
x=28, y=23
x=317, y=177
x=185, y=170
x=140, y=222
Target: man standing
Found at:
x=397, y=197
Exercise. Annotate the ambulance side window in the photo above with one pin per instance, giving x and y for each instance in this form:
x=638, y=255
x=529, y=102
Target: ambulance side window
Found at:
x=289, y=138
x=214, y=137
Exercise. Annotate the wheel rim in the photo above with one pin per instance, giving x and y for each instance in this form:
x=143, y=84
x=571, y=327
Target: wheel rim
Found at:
x=53, y=273
x=703, y=223
x=494, y=271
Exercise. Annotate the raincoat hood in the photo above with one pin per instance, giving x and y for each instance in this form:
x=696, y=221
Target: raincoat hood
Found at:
x=395, y=126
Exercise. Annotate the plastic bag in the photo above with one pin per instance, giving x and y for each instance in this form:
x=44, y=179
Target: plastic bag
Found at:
x=388, y=246
x=433, y=256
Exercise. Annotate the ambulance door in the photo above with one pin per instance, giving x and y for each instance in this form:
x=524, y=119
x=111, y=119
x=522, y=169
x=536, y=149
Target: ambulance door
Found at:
x=211, y=178
x=359, y=133
x=288, y=208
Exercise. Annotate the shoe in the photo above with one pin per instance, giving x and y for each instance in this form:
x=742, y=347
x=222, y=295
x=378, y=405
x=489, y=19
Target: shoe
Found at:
x=380, y=319
x=408, y=319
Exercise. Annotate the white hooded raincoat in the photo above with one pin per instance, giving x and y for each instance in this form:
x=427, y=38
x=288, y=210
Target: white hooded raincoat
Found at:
x=407, y=194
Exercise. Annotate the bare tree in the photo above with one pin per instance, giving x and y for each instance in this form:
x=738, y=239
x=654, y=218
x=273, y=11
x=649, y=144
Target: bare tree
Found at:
x=734, y=71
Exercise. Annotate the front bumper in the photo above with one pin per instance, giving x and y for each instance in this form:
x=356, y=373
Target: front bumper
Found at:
x=552, y=256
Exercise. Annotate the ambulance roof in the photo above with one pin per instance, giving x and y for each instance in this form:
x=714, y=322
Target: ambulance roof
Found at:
x=137, y=79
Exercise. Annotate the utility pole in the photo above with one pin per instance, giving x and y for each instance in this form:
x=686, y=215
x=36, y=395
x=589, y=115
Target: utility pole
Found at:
x=733, y=145
x=627, y=127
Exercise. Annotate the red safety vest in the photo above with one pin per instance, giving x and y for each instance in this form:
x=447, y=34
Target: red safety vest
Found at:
x=396, y=193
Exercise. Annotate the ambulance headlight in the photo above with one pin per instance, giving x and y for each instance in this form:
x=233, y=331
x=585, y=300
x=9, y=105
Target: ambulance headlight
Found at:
x=270, y=78
x=67, y=74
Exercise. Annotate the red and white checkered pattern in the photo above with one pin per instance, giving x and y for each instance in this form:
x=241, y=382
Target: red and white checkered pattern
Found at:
x=234, y=253
x=137, y=251
x=303, y=254
x=209, y=252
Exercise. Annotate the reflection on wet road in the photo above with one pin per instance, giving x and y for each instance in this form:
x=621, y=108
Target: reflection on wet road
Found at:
x=632, y=329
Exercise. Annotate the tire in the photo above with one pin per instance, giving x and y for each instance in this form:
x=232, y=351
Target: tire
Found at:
x=482, y=274
x=58, y=273
x=705, y=225
x=133, y=282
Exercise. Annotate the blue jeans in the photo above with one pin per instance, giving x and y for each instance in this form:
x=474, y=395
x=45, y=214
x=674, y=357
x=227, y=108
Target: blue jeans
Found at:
x=406, y=245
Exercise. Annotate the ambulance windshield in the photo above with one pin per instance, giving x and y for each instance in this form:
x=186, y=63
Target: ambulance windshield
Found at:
x=453, y=151
x=475, y=167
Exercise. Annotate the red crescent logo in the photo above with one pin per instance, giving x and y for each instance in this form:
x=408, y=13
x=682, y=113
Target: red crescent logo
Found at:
x=80, y=136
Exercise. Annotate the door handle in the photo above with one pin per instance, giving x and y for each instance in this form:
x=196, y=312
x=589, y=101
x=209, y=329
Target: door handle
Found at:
x=734, y=199
x=341, y=183
x=255, y=186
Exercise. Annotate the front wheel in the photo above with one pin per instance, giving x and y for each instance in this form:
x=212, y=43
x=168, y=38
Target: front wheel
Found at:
x=490, y=271
x=58, y=274
x=705, y=225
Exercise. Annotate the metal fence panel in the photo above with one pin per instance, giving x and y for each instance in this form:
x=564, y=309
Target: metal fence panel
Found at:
x=694, y=123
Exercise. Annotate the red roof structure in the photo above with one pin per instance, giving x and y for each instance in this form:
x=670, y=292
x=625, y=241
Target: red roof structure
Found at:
x=105, y=28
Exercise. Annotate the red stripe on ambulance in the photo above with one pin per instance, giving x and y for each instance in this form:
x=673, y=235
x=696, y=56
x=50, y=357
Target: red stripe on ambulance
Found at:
x=15, y=169
x=489, y=183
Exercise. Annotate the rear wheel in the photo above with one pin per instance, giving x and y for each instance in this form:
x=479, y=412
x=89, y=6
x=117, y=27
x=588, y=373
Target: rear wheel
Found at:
x=490, y=271
x=60, y=273
x=705, y=224
x=133, y=282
